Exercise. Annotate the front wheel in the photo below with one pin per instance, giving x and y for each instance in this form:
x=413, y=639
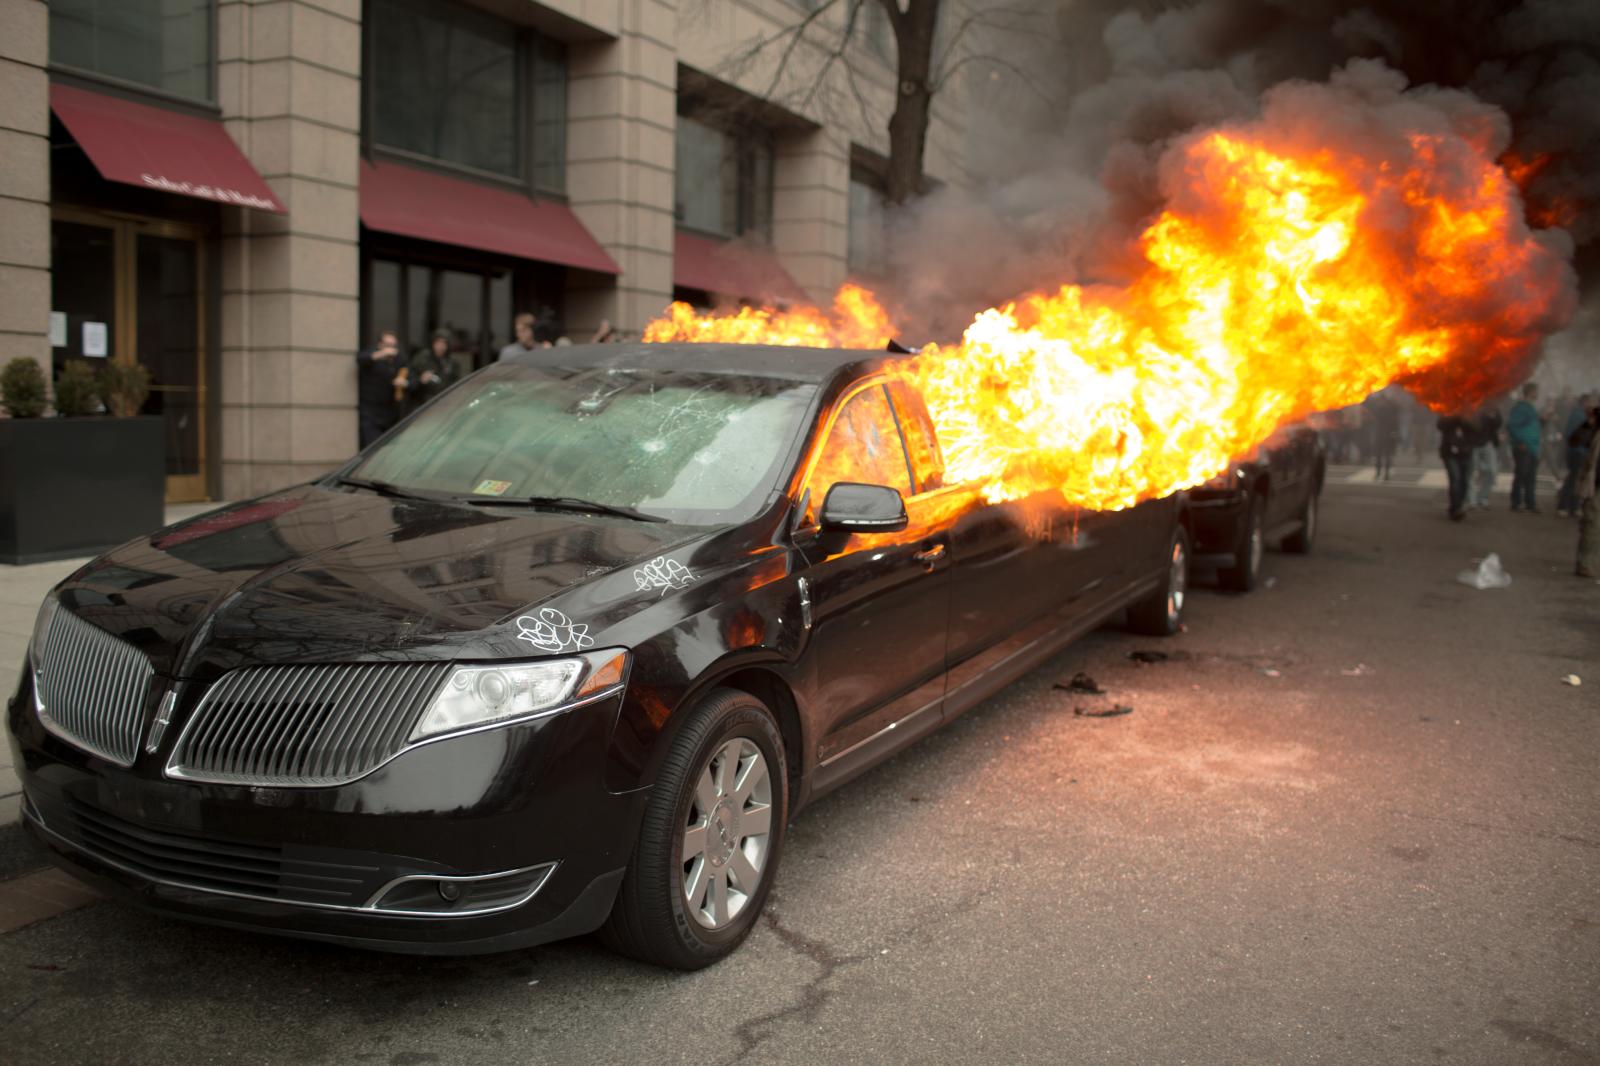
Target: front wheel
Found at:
x=1249, y=549
x=1300, y=540
x=709, y=845
x=1161, y=613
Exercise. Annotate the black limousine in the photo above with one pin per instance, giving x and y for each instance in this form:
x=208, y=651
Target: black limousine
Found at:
x=564, y=651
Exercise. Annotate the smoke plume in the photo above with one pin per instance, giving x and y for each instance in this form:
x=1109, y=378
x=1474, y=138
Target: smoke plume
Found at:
x=1098, y=92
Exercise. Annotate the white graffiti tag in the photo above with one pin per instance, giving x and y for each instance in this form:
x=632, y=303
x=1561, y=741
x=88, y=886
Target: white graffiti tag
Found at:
x=663, y=573
x=550, y=630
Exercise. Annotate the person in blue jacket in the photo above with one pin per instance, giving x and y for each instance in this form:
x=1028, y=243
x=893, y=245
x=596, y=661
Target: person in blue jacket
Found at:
x=1525, y=431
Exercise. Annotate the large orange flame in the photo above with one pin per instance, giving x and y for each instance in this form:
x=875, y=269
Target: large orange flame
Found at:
x=1284, y=277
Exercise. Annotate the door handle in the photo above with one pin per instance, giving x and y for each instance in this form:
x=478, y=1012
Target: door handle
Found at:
x=929, y=556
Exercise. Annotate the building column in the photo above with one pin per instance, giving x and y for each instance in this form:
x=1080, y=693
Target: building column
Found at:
x=621, y=120
x=811, y=210
x=288, y=82
x=24, y=182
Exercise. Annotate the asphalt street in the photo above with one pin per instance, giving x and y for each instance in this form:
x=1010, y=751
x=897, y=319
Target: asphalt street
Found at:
x=1354, y=819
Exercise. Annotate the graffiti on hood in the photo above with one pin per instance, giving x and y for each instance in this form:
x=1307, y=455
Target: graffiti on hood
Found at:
x=550, y=630
x=663, y=573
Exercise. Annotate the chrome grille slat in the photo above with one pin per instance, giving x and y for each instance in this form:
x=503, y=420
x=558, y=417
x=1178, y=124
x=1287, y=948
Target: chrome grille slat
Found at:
x=92, y=687
x=304, y=725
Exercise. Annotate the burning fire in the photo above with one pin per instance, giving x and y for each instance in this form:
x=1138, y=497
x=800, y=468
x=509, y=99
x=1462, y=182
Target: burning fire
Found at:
x=1288, y=273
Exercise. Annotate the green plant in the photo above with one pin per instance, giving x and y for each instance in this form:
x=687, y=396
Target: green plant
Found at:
x=22, y=388
x=124, y=387
x=77, y=393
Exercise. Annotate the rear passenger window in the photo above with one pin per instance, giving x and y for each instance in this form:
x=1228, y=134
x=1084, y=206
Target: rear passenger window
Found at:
x=863, y=446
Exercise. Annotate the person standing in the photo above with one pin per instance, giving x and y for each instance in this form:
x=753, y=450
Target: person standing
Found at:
x=1456, y=436
x=1586, y=438
x=380, y=381
x=1485, y=458
x=1385, y=435
x=432, y=370
x=1567, y=500
x=525, y=344
x=1525, y=431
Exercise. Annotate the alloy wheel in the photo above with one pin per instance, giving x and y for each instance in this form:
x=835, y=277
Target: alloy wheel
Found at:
x=1177, y=581
x=725, y=840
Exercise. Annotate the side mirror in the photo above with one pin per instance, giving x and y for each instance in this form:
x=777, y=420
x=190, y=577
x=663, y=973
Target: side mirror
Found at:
x=853, y=508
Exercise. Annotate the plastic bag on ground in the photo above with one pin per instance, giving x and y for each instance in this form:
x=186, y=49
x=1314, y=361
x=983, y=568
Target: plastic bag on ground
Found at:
x=1489, y=574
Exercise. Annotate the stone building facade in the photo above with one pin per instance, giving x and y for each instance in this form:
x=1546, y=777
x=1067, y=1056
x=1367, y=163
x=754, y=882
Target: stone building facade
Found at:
x=240, y=194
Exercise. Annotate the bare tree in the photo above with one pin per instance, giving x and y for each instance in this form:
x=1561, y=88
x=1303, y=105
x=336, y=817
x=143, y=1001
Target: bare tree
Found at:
x=933, y=41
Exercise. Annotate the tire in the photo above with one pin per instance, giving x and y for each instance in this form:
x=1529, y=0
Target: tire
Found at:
x=1247, y=553
x=1301, y=540
x=1161, y=613
x=653, y=919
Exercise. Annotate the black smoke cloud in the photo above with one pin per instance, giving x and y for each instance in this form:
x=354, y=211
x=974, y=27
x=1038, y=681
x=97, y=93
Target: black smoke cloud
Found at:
x=1095, y=91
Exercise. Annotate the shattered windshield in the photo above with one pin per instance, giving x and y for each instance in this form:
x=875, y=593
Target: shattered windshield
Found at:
x=694, y=447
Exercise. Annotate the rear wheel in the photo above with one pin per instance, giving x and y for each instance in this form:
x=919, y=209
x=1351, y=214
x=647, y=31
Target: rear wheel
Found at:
x=1300, y=540
x=1248, y=552
x=1161, y=613
x=709, y=845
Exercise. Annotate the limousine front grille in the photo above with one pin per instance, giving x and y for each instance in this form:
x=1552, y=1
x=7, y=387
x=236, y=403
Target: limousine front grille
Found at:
x=304, y=725
x=91, y=688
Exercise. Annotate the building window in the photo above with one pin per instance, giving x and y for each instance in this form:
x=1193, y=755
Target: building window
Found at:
x=414, y=292
x=868, y=250
x=461, y=87
x=160, y=44
x=723, y=180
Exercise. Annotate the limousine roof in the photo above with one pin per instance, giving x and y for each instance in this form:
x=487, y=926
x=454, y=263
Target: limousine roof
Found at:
x=815, y=365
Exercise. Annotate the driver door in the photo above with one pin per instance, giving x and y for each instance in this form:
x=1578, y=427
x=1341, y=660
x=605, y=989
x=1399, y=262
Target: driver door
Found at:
x=880, y=602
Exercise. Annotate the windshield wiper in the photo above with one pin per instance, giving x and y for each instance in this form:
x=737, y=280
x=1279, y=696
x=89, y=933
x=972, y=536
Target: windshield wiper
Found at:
x=563, y=503
x=382, y=488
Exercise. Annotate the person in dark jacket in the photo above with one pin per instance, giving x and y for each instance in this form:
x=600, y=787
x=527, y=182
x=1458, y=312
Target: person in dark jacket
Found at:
x=1385, y=434
x=1567, y=498
x=380, y=383
x=432, y=371
x=1457, y=436
x=1586, y=440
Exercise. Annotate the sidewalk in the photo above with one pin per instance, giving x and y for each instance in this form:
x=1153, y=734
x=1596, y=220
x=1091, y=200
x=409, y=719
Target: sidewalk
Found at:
x=22, y=589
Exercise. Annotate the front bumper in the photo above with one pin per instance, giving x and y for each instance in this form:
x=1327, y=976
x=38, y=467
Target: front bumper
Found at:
x=527, y=803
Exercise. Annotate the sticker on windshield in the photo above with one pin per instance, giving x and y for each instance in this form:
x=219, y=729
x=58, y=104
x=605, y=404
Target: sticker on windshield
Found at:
x=663, y=573
x=492, y=488
x=550, y=630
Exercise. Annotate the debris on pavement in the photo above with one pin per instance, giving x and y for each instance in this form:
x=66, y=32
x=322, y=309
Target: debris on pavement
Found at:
x=1488, y=574
x=1149, y=656
x=1359, y=670
x=1270, y=582
x=1572, y=679
x=1269, y=672
x=1102, y=712
x=1081, y=682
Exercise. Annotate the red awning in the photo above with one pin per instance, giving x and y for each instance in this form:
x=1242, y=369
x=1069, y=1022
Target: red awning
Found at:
x=730, y=268
x=154, y=148
x=433, y=207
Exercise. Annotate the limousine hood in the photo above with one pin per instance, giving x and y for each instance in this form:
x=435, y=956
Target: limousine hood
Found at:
x=323, y=575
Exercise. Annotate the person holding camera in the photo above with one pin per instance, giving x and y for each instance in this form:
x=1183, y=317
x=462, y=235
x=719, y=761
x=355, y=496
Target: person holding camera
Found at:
x=432, y=371
x=380, y=383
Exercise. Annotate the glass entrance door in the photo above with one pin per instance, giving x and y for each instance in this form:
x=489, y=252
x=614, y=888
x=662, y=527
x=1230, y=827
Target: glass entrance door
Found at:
x=133, y=290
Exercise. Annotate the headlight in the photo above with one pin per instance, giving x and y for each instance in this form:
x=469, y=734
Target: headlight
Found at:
x=488, y=695
x=41, y=630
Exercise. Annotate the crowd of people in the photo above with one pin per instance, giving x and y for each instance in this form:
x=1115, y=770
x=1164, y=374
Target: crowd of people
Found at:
x=390, y=387
x=1470, y=445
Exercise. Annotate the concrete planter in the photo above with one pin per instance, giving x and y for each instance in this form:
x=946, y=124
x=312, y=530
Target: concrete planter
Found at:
x=77, y=486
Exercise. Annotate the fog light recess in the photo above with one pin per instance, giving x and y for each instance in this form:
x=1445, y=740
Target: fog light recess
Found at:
x=444, y=896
